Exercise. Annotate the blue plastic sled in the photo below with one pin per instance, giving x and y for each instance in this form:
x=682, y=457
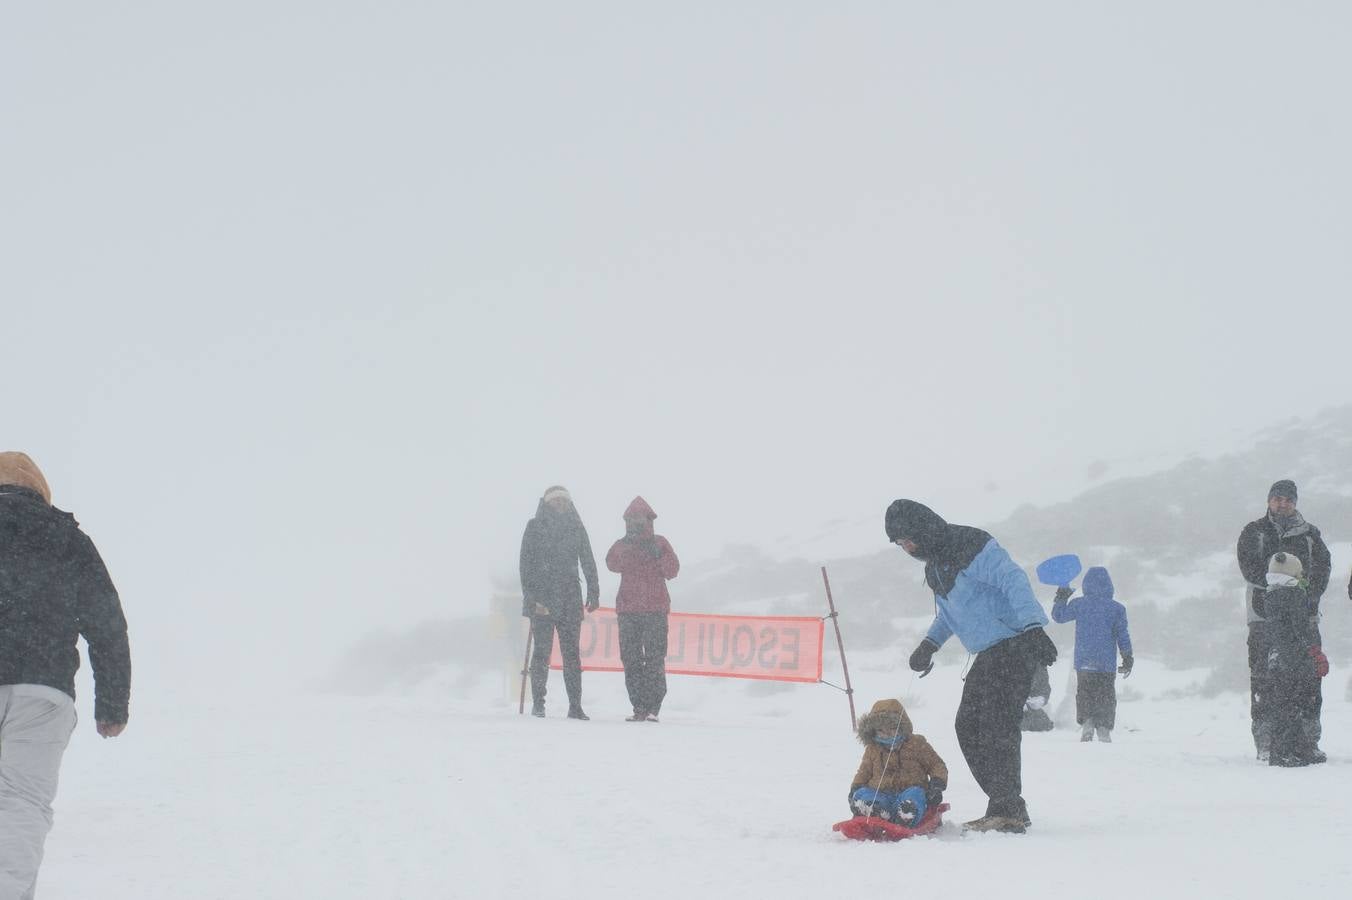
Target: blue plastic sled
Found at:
x=1059, y=570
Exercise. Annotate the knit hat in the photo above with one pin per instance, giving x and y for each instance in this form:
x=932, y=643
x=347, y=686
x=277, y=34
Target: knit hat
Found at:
x=1284, y=488
x=18, y=469
x=558, y=491
x=1285, y=564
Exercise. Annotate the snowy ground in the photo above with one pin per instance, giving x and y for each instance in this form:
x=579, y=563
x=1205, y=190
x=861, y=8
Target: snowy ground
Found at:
x=430, y=795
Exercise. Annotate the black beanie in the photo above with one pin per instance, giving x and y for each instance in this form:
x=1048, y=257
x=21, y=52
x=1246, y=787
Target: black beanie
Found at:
x=1284, y=488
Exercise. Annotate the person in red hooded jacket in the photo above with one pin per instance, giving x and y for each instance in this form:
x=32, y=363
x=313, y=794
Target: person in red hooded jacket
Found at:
x=645, y=562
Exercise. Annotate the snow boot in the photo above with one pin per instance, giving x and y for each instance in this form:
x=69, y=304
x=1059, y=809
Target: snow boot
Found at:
x=1104, y=735
x=652, y=717
x=1087, y=732
x=575, y=712
x=1002, y=824
x=638, y=716
x=537, y=709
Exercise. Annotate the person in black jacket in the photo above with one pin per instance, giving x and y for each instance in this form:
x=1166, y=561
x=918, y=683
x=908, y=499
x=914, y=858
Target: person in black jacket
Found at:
x=1294, y=660
x=1035, y=716
x=1282, y=529
x=54, y=589
x=554, y=545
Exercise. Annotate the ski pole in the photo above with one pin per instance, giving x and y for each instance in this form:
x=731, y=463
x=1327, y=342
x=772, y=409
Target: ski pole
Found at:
x=525, y=668
x=835, y=620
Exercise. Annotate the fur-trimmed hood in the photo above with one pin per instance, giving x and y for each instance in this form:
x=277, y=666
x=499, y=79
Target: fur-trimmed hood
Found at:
x=884, y=712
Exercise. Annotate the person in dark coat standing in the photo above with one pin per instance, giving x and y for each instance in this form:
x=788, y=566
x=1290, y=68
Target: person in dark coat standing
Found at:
x=1282, y=529
x=1100, y=632
x=1035, y=716
x=554, y=545
x=984, y=598
x=645, y=563
x=1294, y=660
x=54, y=589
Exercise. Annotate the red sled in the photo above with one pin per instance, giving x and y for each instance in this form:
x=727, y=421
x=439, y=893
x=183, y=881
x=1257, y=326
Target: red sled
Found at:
x=868, y=828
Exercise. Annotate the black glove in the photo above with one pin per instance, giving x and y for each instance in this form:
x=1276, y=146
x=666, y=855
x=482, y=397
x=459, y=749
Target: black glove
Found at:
x=1127, y=663
x=1063, y=593
x=1038, y=646
x=593, y=604
x=921, y=659
x=934, y=792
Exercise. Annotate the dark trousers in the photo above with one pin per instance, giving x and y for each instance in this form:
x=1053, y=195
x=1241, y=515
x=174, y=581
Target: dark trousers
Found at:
x=1096, y=698
x=542, y=630
x=1305, y=700
x=1290, y=685
x=988, y=725
x=643, y=651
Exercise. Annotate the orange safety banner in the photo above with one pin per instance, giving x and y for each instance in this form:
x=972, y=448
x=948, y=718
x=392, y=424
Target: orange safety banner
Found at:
x=772, y=648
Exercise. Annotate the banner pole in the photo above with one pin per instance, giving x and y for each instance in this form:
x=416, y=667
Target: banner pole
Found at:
x=525, y=668
x=835, y=620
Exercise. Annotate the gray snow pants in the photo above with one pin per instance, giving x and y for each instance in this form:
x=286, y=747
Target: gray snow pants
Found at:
x=35, y=726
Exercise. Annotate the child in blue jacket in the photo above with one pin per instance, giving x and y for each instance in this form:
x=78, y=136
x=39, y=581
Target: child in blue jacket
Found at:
x=1100, y=632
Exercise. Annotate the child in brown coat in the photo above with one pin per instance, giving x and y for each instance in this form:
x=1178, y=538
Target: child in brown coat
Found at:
x=900, y=776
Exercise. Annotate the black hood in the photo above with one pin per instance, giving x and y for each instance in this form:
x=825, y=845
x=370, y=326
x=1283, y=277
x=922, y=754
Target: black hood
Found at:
x=946, y=549
x=918, y=523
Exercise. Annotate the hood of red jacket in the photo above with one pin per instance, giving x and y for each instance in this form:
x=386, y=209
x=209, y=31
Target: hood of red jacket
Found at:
x=639, y=509
x=639, y=512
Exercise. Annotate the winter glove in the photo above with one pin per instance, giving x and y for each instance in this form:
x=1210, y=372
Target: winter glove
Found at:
x=593, y=603
x=934, y=792
x=1127, y=663
x=1321, y=662
x=921, y=659
x=1063, y=594
x=541, y=609
x=1038, y=646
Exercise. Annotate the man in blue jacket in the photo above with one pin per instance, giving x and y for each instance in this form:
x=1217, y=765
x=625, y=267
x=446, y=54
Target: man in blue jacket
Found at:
x=1100, y=631
x=984, y=598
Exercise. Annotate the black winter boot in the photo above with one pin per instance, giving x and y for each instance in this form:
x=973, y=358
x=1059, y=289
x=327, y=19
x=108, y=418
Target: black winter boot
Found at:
x=537, y=709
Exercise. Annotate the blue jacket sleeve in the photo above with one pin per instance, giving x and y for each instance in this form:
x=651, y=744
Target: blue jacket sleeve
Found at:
x=1123, y=635
x=1065, y=611
x=939, y=630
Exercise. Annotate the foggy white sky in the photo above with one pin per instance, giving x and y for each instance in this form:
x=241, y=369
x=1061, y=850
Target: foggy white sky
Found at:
x=306, y=303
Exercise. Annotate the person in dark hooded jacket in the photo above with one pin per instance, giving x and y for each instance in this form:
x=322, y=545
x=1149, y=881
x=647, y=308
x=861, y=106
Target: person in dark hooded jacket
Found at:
x=984, y=598
x=1035, y=716
x=554, y=544
x=1100, y=632
x=1283, y=529
x=54, y=589
x=645, y=563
